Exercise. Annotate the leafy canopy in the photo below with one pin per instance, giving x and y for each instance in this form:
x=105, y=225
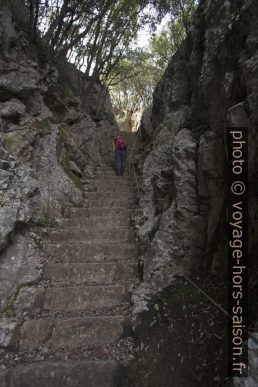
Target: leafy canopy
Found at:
x=93, y=34
x=98, y=37
x=133, y=80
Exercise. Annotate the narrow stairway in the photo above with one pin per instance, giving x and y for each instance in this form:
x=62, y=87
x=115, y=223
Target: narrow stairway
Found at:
x=78, y=332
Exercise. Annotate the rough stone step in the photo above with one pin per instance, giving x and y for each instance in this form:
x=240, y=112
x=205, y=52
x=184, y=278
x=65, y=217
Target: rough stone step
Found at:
x=96, y=252
x=108, y=187
x=70, y=299
x=109, y=170
x=106, y=170
x=101, y=212
x=78, y=332
x=92, y=235
x=119, y=180
x=96, y=222
x=117, y=191
x=120, y=202
x=112, y=191
x=109, y=194
x=115, y=179
x=103, y=183
x=115, y=197
x=97, y=373
x=89, y=273
x=86, y=297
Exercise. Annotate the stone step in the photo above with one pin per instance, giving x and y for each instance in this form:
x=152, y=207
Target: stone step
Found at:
x=126, y=179
x=95, y=252
x=113, y=189
x=70, y=299
x=92, y=235
x=95, y=222
x=78, y=332
x=110, y=188
x=109, y=194
x=83, y=298
x=120, y=202
x=95, y=373
x=112, y=213
x=106, y=171
x=89, y=273
x=109, y=170
x=115, y=183
x=115, y=179
x=118, y=191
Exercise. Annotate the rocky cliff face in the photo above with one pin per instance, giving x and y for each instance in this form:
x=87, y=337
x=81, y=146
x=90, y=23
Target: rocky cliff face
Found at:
x=50, y=142
x=211, y=83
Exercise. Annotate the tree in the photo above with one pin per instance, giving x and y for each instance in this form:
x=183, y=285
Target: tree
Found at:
x=34, y=7
x=133, y=79
x=97, y=36
x=164, y=44
x=94, y=33
x=180, y=9
x=183, y=10
x=133, y=82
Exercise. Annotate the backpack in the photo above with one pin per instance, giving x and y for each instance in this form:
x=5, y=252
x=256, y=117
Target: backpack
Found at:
x=120, y=142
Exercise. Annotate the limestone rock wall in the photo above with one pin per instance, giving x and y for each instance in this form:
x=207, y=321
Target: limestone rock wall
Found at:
x=50, y=142
x=210, y=83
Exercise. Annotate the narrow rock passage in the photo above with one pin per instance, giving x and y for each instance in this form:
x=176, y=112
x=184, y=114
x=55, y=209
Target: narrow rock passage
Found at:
x=78, y=332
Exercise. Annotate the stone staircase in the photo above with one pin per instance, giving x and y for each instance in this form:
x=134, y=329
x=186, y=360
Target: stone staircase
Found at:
x=77, y=329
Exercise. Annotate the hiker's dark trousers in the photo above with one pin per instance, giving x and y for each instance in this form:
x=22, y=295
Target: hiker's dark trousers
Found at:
x=120, y=157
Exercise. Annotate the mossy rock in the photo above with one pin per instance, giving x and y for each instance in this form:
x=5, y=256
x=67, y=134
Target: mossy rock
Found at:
x=47, y=221
x=90, y=172
x=18, y=142
x=77, y=181
x=42, y=126
x=65, y=138
x=8, y=308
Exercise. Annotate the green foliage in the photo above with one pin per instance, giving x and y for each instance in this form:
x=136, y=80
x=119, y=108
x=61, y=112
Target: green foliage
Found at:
x=75, y=179
x=94, y=34
x=47, y=221
x=98, y=37
x=43, y=126
x=133, y=80
x=164, y=45
x=183, y=11
x=134, y=77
